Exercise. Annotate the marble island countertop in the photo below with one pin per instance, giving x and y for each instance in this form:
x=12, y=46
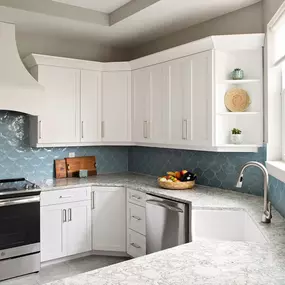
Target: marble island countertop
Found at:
x=199, y=262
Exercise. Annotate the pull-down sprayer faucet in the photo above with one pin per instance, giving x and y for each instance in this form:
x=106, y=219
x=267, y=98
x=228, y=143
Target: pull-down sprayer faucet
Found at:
x=266, y=216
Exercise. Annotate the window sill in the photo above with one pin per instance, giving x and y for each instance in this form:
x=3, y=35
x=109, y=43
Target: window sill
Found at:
x=276, y=169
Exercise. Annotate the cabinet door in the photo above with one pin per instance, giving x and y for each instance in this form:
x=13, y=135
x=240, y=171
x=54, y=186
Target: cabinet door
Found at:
x=180, y=94
x=90, y=108
x=59, y=122
x=53, y=223
x=78, y=227
x=200, y=120
x=159, y=103
x=141, y=105
x=109, y=219
x=116, y=106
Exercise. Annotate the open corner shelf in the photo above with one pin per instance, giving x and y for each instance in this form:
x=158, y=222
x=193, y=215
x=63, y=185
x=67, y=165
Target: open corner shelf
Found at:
x=237, y=113
x=243, y=81
x=238, y=148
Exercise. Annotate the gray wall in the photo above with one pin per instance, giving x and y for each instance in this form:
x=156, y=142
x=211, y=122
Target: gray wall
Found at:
x=270, y=7
x=246, y=20
x=32, y=43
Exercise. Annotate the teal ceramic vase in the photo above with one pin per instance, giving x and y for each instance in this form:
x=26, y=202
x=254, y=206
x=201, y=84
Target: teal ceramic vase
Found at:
x=237, y=74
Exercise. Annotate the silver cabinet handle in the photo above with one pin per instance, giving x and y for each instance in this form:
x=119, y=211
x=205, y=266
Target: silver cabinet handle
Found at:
x=136, y=197
x=69, y=215
x=184, y=130
x=40, y=129
x=102, y=129
x=92, y=200
x=65, y=197
x=145, y=129
x=136, y=218
x=64, y=216
x=166, y=206
x=82, y=129
x=135, y=245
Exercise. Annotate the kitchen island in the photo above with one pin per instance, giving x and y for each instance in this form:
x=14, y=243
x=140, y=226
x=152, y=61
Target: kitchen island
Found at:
x=199, y=262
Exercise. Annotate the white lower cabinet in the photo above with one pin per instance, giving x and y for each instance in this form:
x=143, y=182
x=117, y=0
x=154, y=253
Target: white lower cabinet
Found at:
x=78, y=228
x=52, y=232
x=109, y=219
x=136, y=244
x=65, y=229
x=136, y=223
x=101, y=219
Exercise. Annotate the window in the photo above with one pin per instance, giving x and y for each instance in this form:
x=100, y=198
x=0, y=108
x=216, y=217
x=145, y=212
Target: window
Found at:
x=275, y=78
x=283, y=107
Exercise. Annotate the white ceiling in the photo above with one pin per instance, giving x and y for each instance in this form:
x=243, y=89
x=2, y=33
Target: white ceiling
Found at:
x=104, y=6
x=159, y=19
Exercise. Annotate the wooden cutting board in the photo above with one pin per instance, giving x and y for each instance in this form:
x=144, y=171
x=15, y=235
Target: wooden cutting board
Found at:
x=60, y=168
x=74, y=164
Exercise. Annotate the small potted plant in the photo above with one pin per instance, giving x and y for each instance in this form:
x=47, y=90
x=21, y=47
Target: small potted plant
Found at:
x=236, y=136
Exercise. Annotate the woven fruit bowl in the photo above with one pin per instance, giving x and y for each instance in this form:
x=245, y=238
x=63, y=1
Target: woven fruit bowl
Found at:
x=178, y=185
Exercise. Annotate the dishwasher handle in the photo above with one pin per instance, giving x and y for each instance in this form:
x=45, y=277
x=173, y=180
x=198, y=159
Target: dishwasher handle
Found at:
x=164, y=205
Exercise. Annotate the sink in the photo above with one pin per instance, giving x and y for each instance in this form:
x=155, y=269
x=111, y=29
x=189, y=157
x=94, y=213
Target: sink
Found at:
x=225, y=225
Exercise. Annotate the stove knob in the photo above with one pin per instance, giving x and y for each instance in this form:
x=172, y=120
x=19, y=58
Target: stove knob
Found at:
x=34, y=186
x=27, y=187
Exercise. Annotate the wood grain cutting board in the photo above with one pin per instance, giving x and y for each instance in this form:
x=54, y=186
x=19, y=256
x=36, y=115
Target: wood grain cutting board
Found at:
x=60, y=168
x=74, y=164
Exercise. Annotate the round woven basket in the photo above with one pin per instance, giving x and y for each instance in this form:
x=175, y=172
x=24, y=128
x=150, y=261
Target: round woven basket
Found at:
x=237, y=100
x=176, y=185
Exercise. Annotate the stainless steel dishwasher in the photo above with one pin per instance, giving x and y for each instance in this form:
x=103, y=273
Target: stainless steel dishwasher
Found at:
x=167, y=223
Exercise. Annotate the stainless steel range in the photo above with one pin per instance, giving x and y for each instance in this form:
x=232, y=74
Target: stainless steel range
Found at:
x=19, y=228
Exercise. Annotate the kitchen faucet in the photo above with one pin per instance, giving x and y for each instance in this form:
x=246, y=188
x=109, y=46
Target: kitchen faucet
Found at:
x=266, y=216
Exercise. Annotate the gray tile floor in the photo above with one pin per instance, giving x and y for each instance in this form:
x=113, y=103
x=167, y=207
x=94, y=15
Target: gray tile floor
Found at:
x=65, y=269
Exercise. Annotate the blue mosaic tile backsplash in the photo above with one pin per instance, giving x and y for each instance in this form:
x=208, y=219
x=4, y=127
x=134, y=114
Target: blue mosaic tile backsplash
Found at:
x=212, y=168
x=18, y=159
x=277, y=194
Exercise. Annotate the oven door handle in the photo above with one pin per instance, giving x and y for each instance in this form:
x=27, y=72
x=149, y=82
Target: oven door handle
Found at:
x=19, y=201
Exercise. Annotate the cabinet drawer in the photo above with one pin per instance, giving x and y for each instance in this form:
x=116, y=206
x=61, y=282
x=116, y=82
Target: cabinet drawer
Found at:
x=136, y=218
x=136, y=244
x=65, y=196
x=136, y=197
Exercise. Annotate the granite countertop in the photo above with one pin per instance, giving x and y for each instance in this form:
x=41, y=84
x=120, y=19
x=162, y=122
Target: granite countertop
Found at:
x=199, y=262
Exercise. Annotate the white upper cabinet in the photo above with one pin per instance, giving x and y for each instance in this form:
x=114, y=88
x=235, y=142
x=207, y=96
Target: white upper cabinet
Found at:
x=90, y=108
x=159, y=104
x=180, y=99
x=173, y=98
x=116, y=106
x=199, y=123
x=59, y=121
x=190, y=81
x=141, y=105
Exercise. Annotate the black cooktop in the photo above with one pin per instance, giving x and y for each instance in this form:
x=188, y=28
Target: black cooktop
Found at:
x=16, y=184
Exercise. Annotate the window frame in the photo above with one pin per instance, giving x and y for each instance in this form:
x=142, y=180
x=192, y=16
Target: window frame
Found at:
x=275, y=99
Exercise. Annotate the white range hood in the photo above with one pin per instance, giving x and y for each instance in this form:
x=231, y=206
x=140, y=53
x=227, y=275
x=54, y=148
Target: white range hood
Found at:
x=19, y=91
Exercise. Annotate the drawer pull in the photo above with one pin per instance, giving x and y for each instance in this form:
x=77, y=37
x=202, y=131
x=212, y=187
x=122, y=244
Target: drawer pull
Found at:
x=136, y=197
x=64, y=216
x=136, y=218
x=135, y=245
x=69, y=215
x=64, y=197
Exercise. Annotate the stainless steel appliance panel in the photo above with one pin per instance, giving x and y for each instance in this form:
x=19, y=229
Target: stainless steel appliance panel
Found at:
x=167, y=223
x=14, y=267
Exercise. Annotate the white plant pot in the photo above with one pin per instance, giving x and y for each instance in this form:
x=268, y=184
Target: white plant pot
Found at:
x=236, y=139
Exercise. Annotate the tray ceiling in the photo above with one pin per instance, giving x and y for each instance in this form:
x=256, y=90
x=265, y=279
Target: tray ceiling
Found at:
x=104, y=6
